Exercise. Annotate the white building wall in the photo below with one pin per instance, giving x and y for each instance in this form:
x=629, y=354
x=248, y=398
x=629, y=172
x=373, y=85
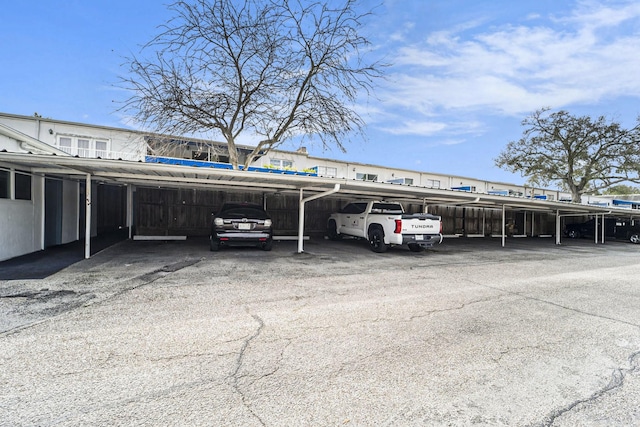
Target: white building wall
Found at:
x=121, y=143
x=17, y=228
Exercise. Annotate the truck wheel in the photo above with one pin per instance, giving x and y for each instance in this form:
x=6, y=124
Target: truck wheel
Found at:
x=332, y=231
x=267, y=246
x=214, y=245
x=376, y=240
x=414, y=247
x=635, y=238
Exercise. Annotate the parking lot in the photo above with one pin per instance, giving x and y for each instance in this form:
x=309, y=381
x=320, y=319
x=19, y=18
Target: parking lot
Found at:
x=469, y=333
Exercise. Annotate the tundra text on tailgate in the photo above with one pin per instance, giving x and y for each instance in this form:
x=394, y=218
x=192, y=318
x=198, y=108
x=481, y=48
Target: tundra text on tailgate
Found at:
x=385, y=224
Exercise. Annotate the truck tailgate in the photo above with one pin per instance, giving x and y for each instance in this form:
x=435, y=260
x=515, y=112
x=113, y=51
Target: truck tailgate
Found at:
x=420, y=224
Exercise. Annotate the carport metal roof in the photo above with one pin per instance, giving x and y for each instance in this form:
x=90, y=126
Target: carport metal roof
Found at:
x=172, y=176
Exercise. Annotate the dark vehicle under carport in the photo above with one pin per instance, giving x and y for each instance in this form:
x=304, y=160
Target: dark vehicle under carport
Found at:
x=614, y=228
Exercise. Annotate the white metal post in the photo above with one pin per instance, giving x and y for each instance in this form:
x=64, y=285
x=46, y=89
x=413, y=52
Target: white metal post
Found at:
x=336, y=188
x=130, y=209
x=533, y=223
x=504, y=225
x=557, y=227
x=484, y=221
x=87, y=222
x=301, y=224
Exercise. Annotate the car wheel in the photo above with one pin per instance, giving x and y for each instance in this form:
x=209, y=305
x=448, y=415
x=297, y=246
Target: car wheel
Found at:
x=635, y=238
x=268, y=245
x=376, y=240
x=332, y=231
x=214, y=245
x=414, y=247
x=574, y=234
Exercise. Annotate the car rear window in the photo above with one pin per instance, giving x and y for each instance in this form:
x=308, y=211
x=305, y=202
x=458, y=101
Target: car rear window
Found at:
x=243, y=212
x=388, y=208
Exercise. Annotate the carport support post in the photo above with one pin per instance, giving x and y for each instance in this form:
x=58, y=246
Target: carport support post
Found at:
x=504, y=225
x=484, y=222
x=130, y=209
x=87, y=221
x=533, y=223
x=557, y=227
x=336, y=188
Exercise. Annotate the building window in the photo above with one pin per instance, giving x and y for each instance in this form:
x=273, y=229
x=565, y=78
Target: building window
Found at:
x=101, y=148
x=83, y=146
x=407, y=181
x=64, y=143
x=327, y=171
x=281, y=164
x=23, y=186
x=366, y=177
x=433, y=183
x=4, y=185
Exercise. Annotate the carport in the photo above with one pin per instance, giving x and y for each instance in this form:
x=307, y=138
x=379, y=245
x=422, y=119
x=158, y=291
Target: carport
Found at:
x=129, y=174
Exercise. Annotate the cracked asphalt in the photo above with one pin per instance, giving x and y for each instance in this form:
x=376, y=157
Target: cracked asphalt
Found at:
x=469, y=333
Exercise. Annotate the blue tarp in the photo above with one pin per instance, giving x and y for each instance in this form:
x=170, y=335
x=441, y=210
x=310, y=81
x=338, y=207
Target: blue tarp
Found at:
x=219, y=165
x=625, y=202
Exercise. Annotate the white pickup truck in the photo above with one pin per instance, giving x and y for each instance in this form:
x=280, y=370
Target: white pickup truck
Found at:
x=385, y=224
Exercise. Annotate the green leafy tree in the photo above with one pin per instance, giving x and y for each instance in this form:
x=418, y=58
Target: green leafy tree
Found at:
x=621, y=189
x=269, y=70
x=579, y=154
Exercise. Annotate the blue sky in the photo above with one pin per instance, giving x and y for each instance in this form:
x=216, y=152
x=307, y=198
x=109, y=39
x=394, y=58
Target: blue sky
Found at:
x=464, y=72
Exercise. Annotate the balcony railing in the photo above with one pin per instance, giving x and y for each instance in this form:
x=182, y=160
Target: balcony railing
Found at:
x=101, y=154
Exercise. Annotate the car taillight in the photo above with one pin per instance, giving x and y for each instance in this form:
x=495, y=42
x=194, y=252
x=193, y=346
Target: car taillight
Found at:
x=267, y=223
x=398, y=229
x=218, y=221
x=440, y=227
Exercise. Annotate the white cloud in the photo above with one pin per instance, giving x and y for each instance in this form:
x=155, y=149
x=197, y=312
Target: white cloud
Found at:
x=588, y=56
x=410, y=127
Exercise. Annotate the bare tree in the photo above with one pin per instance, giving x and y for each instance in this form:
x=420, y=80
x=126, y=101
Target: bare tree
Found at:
x=270, y=69
x=578, y=153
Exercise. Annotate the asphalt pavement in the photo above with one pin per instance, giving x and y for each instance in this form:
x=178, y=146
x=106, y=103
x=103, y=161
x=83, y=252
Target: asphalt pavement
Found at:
x=469, y=333
x=41, y=264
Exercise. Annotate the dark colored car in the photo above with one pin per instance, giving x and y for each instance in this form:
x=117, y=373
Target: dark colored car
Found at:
x=614, y=228
x=241, y=224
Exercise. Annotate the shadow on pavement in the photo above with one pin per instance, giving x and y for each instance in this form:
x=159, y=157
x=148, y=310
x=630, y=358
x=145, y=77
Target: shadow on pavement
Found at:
x=41, y=264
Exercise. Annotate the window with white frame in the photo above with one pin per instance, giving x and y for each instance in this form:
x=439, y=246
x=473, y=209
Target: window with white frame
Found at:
x=281, y=164
x=65, y=144
x=327, y=171
x=83, y=146
x=101, y=148
x=433, y=183
x=366, y=176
